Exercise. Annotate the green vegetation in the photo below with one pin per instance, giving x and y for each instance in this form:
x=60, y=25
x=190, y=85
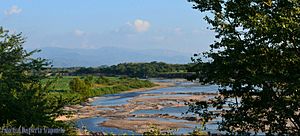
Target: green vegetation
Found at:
x=199, y=132
x=155, y=131
x=141, y=70
x=255, y=58
x=24, y=98
x=89, y=86
x=60, y=83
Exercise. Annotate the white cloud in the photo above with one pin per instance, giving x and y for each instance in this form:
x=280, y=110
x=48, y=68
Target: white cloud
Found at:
x=79, y=33
x=13, y=10
x=141, y=25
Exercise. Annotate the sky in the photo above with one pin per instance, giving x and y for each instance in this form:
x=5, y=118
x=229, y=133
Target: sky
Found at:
x=90, y=24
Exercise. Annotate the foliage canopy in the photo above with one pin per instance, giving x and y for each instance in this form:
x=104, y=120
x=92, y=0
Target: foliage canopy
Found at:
x=255, y=59
x=24, y=100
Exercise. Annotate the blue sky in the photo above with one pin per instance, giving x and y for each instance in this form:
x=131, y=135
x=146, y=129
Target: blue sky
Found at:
x=137, y=24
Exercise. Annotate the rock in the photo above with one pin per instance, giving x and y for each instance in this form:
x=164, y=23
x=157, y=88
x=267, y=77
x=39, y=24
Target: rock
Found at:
x=90, y=100
x=159, y=107
x=85, y=104
x=190, y=118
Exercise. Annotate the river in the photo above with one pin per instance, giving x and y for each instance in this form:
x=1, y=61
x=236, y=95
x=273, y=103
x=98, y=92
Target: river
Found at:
x=155, y=105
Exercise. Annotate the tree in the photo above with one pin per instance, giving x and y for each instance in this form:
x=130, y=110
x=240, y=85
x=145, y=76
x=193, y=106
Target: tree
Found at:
x=24, y=100
x=88, y=80
x=77, y=85
x=81, y=86
x=255, y=59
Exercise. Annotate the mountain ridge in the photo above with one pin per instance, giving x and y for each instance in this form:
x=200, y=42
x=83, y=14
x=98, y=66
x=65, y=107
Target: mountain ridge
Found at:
x=64, y=57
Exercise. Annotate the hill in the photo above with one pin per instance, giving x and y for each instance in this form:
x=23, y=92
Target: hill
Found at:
x=63, y=57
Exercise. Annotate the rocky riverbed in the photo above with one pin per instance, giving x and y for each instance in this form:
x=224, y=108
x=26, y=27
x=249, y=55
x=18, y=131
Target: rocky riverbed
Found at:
x=138, y=110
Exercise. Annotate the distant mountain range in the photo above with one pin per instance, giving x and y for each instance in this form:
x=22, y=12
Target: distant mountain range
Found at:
x=63, y=57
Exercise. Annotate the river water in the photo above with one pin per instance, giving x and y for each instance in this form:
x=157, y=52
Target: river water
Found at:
x=180, y=89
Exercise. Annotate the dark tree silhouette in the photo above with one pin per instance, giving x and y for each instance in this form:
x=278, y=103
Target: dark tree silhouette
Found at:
x=24, y=100
x=255, y=58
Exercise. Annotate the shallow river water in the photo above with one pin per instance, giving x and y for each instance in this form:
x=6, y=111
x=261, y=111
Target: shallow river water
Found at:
x=180, y=89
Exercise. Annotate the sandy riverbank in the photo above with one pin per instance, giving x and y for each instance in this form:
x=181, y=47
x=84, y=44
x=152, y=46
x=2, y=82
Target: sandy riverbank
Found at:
x=80, y=108
x=123, y=116
x=143, y=125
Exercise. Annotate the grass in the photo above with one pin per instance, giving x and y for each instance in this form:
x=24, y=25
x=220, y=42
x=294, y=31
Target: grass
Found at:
x=100, y=86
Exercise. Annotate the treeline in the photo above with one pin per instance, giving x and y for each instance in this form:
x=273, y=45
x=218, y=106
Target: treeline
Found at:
x=140, y=70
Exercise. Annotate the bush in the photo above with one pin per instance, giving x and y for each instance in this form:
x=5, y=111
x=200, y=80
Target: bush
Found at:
x=155, y=131
x=80, y=86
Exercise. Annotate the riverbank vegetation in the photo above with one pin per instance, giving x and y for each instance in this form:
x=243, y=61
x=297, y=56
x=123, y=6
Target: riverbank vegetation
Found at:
x=83, y=87
x=141, y=70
